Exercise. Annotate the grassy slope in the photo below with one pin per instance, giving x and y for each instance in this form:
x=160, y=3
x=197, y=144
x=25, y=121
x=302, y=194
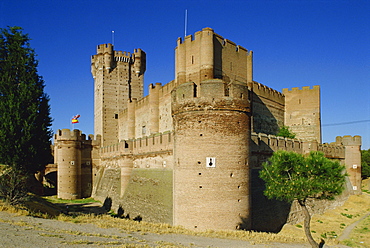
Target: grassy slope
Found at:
x=149, y=195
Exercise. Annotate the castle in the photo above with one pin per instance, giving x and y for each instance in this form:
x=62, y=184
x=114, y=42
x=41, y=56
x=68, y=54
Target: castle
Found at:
x=189, y=152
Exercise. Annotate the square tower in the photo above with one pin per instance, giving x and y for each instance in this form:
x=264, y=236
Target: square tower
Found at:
x=118, y=78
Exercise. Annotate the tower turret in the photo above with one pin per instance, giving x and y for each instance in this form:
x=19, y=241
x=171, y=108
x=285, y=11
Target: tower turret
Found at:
x=67, y=145
x=211, y=153
x=352, y=159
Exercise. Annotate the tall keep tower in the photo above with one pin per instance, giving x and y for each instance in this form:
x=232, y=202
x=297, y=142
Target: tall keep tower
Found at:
x=118, y=78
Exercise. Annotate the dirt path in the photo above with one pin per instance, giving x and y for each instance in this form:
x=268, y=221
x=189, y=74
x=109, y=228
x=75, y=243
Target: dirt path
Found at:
x=26, y=231
x=346, y=232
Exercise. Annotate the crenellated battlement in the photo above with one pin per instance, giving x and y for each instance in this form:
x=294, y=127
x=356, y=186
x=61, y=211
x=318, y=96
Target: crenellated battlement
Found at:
x=67, y=134
x=210, y=32
x=155, y=143
x=332, y=150
x=126, y=57
x=348, y=140
x=105, y=48
x=303, y=89
x=267, y=92
x=76, y=135
x=268, y=144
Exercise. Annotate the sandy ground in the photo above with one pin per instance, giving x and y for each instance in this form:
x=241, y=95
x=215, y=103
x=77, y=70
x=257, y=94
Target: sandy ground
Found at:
x=26, y=231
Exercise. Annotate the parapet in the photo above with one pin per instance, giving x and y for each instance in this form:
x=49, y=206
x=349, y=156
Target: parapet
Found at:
x=76, y=135
x=348, y=140
x=67, y=134
x=105, y=48
x=267, y=92
x=209, y=31
x=304, y=89
x=120, y=56
x=268, y=143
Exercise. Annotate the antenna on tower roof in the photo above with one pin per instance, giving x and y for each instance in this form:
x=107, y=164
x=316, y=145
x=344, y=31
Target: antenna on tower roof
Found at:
x=113, y=38
x=186, y=20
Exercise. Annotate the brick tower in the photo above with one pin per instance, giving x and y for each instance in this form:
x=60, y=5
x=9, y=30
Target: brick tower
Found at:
x=118, y=78
x=67, y=151
x=211, y=115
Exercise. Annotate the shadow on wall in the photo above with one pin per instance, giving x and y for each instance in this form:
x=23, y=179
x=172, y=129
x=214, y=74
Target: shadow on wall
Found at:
x=121, y=214
x=86, y=180
x=263, y=120
x=107, y=205
x=50, y=183
x=267, y=215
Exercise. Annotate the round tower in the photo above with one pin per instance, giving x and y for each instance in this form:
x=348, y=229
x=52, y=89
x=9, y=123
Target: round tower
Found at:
x=67, y=145
x=211, y=184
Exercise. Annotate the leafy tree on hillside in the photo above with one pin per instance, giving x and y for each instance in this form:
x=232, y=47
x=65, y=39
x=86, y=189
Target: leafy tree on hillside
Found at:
x=285, y=132
x=365, y=163
x=291, y=176
x=24, y=106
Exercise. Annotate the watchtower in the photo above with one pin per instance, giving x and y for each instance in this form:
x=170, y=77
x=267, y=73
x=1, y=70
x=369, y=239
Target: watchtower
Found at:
x=352, y=160
x=67, y=154
x=118, y=78
x=211, y=154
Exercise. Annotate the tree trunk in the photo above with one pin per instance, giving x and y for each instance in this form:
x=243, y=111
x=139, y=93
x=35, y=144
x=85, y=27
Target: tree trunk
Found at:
x=307, y=220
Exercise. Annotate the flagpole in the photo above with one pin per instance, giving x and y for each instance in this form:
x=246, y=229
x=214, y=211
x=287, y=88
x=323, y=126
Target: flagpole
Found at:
x=186, y=20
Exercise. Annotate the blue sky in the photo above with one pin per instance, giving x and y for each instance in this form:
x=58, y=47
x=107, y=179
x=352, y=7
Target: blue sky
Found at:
x=295, y=44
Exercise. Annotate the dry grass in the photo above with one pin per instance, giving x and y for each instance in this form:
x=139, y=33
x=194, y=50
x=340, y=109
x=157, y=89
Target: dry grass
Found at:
x=106, y=221
x=328, y=226
x=11, y=209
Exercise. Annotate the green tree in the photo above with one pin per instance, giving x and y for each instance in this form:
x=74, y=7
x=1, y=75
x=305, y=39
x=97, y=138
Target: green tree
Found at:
x=365, y=163
x=291, y=176
x=24, y=106
x=285, y=132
